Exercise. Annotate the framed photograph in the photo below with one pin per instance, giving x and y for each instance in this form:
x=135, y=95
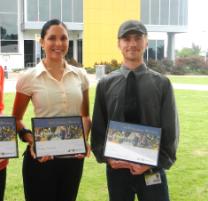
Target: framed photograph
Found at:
x=8, y=137
x=58, y=136
x=133, y=142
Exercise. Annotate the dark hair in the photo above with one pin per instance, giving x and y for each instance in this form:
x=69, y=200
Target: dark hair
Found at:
x=50, y=23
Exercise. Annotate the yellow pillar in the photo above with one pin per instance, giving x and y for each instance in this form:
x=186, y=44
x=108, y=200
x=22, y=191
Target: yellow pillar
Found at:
x=102, y=19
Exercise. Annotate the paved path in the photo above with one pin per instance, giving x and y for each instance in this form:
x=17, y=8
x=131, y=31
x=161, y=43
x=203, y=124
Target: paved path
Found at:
x=197, y=87
x=10, y=84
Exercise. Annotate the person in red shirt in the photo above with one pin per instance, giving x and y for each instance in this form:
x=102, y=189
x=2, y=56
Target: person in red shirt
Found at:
x=3, y=162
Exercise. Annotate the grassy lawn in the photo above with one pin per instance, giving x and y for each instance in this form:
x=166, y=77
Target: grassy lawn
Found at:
x=187, y=178
x=189, y=79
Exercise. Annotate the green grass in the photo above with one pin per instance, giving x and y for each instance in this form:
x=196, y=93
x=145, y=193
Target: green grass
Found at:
x=189, y=79
x=187, y=178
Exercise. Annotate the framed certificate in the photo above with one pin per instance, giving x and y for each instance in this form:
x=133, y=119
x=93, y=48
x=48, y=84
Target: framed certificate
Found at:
x=8, y=137
x=58, y=136
x=133, y=142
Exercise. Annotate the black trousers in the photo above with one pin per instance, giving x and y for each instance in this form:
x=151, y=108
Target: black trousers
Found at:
x=2, y=183
x=54, y=180
x=123, y=186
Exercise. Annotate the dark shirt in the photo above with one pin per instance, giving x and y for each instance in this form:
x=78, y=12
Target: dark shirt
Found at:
x=156, y=105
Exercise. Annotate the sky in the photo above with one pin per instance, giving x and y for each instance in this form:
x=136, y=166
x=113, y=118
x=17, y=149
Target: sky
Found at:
x=197, y=26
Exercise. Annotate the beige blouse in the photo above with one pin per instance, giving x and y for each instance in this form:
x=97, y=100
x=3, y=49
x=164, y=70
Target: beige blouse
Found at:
x=51, y=97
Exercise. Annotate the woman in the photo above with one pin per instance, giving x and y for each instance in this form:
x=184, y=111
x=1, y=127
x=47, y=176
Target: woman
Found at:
x=55, y=89
x=3, y=162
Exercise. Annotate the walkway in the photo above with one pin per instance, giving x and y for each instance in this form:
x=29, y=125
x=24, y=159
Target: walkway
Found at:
x=10, y=84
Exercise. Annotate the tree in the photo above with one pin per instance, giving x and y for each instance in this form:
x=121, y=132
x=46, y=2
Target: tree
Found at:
x=188, y=52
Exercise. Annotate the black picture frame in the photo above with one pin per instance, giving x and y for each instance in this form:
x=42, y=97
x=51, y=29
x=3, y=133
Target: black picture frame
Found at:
x=132, y=142
x=8, y=138
x=58, y=136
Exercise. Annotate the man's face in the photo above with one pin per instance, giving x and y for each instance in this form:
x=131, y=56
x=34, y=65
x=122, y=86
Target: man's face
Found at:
x=133, y=46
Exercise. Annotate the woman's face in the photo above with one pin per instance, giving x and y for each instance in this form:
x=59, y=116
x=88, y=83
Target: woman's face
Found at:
x=55, y=43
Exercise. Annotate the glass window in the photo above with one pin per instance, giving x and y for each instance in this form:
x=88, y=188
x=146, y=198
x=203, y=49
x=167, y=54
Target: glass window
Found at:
x=79, y=50
x=164, y=12
x=155, y=11
x=152, y=49
x=185, y=17
x=32, y=10
x=8, y=6
x=67, y=10
x=8, y=27
x=145, y=11
x=55, y=9
x=183, y=12
x=43, y=10
x=8, y=24
x=9, y=46
x=70, y=52
x=160, y=49
x=78, y=11
x=174, y=12
x=145, y=56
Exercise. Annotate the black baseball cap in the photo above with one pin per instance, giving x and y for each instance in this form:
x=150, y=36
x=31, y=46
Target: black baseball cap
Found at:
x=133, y=26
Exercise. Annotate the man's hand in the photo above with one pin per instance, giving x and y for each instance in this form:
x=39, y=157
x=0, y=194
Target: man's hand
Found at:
x=118, y=164
x=137, y=169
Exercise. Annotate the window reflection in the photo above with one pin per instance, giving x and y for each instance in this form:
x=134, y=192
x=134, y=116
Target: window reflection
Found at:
x=6, y=36
x=160, y=49
x=155, y=50
x=9, y=46
x=8, y=26
x=152, y=49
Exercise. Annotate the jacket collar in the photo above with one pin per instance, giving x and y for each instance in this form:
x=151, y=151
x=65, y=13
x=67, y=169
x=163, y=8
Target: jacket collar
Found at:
x=139, y=70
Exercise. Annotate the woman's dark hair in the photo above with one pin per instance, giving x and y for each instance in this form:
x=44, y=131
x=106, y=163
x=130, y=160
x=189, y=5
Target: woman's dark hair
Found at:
x=50, y=23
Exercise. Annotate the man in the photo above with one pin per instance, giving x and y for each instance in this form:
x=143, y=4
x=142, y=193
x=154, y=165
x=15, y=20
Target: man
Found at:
x=154, y=106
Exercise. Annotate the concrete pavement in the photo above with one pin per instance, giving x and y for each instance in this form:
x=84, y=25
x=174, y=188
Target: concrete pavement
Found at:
x=10, y=84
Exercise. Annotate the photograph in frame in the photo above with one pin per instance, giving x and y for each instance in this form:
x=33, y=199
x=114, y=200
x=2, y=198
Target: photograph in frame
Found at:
x=58, y=136
x=133, y=142
x=8, y=138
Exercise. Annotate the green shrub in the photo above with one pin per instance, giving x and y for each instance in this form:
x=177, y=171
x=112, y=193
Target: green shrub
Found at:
x=156, y=65
x=109, y=66
x=190, y=65
x=90, y=70
x=182, y=66
x=74, y=62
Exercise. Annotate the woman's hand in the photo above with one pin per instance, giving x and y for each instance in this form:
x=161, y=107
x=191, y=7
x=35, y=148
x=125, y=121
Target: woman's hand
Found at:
x=88, y=151
x=29, y=139
x=42, y=159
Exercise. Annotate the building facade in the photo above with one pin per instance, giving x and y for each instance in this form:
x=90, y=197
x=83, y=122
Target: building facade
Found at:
x=92, y=25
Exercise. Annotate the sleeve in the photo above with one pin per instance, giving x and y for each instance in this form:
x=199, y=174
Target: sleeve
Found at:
x=84, y=78
x=24, y=83
x=99, y=124
x=170, y=128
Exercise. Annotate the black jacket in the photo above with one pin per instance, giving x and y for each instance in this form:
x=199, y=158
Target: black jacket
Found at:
x=157, y=109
